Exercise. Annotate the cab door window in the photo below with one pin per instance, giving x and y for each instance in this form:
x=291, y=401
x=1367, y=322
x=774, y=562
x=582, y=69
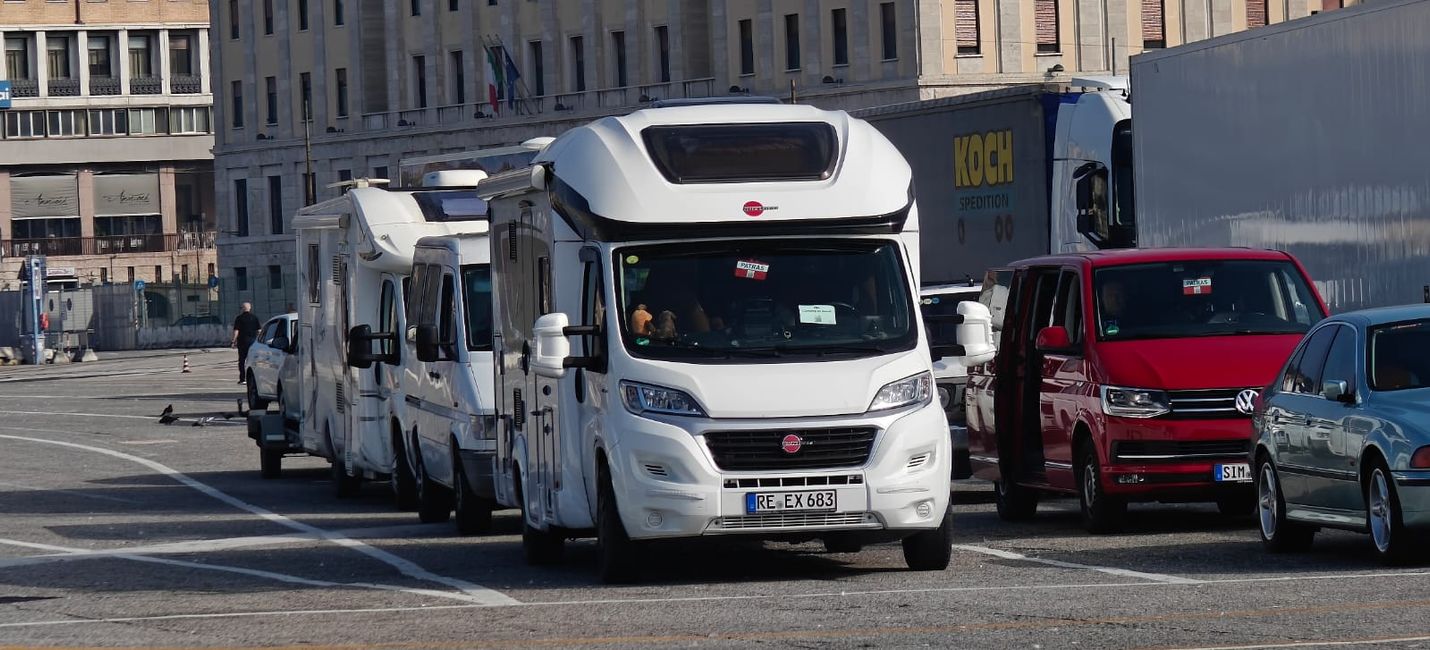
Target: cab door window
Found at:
x=387, y=315
x=1067, y=309
x=1045, y=288
x=447, y=315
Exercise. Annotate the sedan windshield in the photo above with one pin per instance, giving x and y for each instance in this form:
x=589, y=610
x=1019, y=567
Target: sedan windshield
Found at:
x=1203, y=298
x=1400, y=356
x=767, y=299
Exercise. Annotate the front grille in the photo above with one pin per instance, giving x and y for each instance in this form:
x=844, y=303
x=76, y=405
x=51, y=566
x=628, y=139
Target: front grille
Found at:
x=793, y=481
x=794, y=520
x=1154, y=450
x=764, y=450
x=1218, y=403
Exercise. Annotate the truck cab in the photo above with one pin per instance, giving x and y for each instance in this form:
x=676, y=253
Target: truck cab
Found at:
x=1131, y=375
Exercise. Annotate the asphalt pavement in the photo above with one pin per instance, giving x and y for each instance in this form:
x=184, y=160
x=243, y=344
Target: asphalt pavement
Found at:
x=116, y=530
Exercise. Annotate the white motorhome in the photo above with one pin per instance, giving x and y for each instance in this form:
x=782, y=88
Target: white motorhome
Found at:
x=740, y=286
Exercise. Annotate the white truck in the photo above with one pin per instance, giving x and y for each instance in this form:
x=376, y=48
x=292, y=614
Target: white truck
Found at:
x=740, y=285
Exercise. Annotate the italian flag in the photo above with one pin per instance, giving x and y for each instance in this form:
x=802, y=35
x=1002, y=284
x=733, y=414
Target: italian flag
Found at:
x=494, y=80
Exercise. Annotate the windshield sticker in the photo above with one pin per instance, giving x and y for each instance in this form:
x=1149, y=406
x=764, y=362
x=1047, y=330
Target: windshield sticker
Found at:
x=751, y=269
x=642, y=341
x=1196, y=286
x=816, y=314
x=1111, y=328
x=632, y=259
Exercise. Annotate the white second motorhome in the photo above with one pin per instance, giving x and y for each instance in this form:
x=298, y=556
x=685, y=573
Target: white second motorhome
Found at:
x=749, y=355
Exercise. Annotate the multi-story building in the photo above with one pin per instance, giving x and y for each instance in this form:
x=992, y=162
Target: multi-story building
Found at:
x=383, y=80
x=106, y=162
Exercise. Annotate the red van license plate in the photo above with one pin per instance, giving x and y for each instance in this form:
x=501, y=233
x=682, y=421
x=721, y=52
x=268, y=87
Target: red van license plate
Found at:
x=1232, y=473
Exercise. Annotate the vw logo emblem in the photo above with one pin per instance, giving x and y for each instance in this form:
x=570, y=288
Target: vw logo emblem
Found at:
x=1246, y=401
x=791, y=443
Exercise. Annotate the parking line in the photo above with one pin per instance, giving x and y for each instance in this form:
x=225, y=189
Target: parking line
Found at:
x=408, y=568
x=1314, y=644
x=1125, y=573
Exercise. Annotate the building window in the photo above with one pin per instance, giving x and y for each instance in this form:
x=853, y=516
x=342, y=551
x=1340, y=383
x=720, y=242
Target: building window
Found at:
x=459, y=78
x=452, y=5
x=188, y=120
x=345, y=175
x=1255, y=13
x=1154, y=23
x=58, y=57
x=275, y=205
x=140, y=63
x=275, y=276
x=965, y=26
x=148, y=121
x=240, y=278
x=108, y=121
x=271, y=85
x=233, y=15
x=305, y=84
x=342, y=84
x=662, y=50
x=338, y=17
x=416, y=7
x=379, y=172
x=17, y=57
x=538, y=65
x=618, y=44
x=180, y=60
x=747, y=47
x=791, y=41
x=65, y=124
x=303, y=15
x=100, y=63
x=158, y=272
x=578, y=63
x=839, y=27
x=268, y=16
x=419, y=65
x=236, y=98
x=889, y=30
x=240, y=207
x=1045, y=17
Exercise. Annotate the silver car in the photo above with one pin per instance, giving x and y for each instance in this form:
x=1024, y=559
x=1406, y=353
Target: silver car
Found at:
x=1343, y=436
x=266, y=359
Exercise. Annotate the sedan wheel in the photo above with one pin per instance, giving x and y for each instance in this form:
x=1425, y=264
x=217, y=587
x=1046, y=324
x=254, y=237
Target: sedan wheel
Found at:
x=1387, y=529
x=1277, y=534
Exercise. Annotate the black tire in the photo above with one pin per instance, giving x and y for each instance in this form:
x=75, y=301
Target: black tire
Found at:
x=1015, y=502
x=931, y=550
x=1278, y=534
x=255, y=402
x=1101, y=513
x=842, y=544
x=270, y=463
x=1392, y=541
x=539, y=547
x=615, y=552
x=434, y=502
x=473, y=513
x=404, y=483
x=345, y=486
x=1237, y=506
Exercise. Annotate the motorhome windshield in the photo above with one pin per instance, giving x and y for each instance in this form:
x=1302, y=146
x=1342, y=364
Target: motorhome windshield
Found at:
x=477, y=300
x=1203, y=298
x=772, y=299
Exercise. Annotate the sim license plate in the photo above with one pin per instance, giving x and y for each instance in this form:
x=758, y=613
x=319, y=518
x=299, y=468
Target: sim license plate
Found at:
x=820, y=501
x=1232, y=473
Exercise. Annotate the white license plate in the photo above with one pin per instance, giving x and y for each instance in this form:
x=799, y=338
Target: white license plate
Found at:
x=1232, y=473
x=819, y=501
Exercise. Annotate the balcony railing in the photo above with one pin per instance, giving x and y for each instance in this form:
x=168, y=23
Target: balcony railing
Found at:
x=186, y=84
x=24, y=88
x=104, y=85
x=109, y=245
x=145, y=86
x=64, y=87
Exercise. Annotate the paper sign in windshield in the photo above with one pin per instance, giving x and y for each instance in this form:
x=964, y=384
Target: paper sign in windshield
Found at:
x=751, y=269
x=1196, y=286
x=816, y=314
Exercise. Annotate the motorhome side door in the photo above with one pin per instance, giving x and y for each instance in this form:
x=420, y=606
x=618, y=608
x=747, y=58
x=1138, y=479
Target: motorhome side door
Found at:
x=543, y=430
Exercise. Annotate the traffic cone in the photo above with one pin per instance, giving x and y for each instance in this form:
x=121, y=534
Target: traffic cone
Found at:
x=186, y=363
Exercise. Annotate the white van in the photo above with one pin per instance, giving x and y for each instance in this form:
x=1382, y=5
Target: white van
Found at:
x=707, y=323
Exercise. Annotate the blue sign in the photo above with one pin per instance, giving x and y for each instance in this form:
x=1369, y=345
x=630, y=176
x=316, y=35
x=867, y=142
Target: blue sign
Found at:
x=4, y=94
x=213, y=281
x=138, y=285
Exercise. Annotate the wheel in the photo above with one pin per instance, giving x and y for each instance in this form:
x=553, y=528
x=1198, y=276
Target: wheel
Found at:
x=474, y=513
x=931, y=550
x=255, y=402
x=404, y=484
x=539, y=547
x=1237, y=506
x=1278, y=534
x=434, y=502
x=1387, y=529
x=615, y=561
x=345, y=485
x=842, y=544
x=1100, y=513
x=1015, y=502
x=270, y=463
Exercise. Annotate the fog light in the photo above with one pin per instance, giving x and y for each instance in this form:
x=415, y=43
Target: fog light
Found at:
x=924, y=509
x=1130, y=479
x=654, y=520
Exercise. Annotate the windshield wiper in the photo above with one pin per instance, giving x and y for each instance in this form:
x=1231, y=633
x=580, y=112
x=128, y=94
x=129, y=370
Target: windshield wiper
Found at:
x=822, y=350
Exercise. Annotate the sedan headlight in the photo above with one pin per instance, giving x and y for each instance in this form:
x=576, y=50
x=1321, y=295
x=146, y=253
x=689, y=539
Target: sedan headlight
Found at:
x=642, y=398
x=908, y=391
x=1134, y=402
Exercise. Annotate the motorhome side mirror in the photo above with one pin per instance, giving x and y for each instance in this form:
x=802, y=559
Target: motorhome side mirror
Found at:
x=975, y=334
x=1336, y=391
x=552, y=347
x=1053, y=339
x=360, y=347
x=427, y=345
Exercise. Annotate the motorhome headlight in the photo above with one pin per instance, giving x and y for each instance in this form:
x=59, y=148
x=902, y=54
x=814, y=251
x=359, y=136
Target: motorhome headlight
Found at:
x=1134, y=402
x=908, y=391
x=643, y=398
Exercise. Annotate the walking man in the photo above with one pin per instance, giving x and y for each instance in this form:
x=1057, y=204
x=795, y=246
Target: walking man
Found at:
x=245, y=332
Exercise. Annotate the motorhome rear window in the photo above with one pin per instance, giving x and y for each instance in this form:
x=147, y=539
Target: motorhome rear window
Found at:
x=741, y=153
x=451, y=205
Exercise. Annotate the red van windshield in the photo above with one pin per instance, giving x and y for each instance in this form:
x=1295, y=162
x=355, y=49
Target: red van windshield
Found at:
x=1203, y=298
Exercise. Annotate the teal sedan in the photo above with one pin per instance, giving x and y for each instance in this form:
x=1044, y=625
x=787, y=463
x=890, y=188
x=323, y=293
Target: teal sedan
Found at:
x=1342, y=439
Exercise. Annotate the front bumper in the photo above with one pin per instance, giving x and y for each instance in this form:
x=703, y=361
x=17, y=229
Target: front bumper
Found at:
x=479, y=470
x=668, y=484
x=1187, y=474
x=1413, y=489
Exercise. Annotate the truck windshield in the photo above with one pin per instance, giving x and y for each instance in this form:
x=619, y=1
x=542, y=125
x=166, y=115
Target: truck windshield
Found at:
x=771, y=299
x=1203, y=298
x=1400, y=356
x=477, y=301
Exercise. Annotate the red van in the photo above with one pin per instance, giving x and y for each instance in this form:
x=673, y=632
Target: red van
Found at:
x=1131, y=375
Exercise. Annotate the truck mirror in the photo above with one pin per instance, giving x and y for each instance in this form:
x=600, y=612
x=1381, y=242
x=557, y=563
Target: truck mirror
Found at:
x=1053, y=339
x=552, y=349
x=427, y=344
x=360, y=347
x=975, y=334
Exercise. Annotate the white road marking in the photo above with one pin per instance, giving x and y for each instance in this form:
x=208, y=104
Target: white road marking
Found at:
x=406, y=567
x=1315, y=644
x=1125, y=573
x=148, y=442
x=83, y=415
